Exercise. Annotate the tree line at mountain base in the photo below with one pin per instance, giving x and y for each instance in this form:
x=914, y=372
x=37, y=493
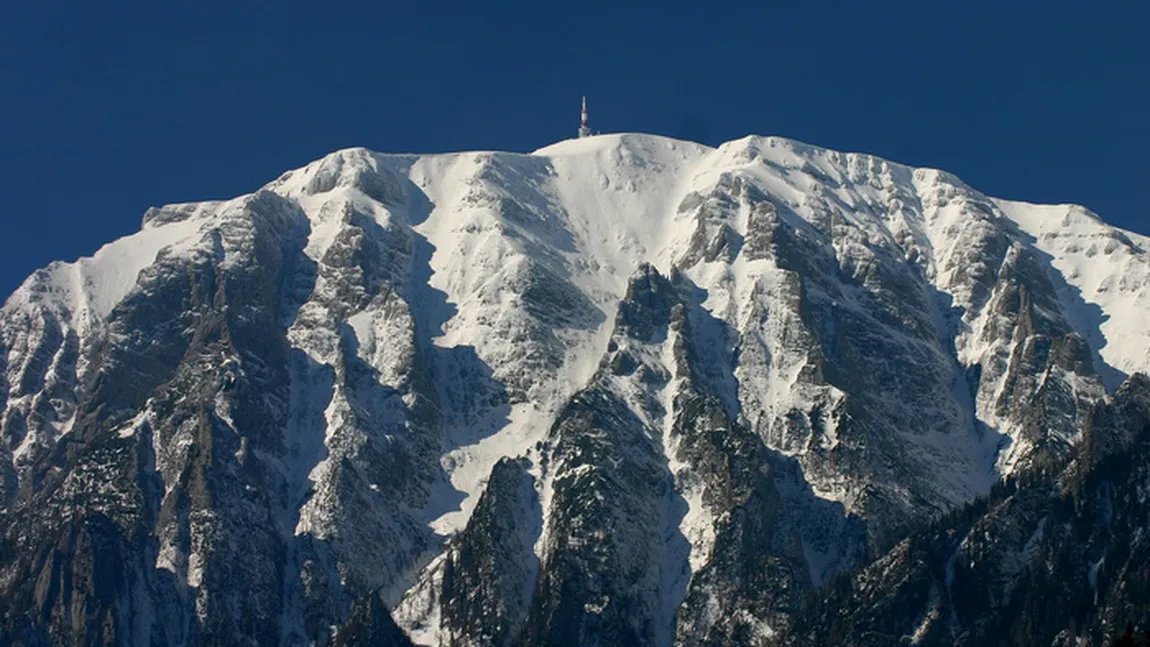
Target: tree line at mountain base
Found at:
x=1128, y=639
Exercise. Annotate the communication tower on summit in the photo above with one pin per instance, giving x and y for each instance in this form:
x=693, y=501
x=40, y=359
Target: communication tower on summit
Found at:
x=584, y=129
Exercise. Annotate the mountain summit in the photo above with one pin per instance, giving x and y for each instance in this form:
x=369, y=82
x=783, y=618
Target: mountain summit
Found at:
x=624, y=390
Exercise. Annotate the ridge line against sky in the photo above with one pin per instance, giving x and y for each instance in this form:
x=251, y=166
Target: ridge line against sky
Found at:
x=115, y=107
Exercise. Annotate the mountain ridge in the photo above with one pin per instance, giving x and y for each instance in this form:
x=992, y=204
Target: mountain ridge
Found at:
x=368, y=339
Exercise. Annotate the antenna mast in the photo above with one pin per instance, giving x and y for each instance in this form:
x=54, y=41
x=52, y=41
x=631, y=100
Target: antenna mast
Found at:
x=584, y=129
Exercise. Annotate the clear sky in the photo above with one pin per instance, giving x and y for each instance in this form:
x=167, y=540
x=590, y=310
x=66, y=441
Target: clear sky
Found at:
x=109, y=107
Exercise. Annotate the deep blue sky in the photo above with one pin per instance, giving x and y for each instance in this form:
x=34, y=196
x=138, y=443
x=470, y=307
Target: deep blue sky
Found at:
x=109, y=107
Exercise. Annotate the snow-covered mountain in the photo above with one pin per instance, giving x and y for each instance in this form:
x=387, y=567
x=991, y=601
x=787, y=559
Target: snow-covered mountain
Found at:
x=622, y=390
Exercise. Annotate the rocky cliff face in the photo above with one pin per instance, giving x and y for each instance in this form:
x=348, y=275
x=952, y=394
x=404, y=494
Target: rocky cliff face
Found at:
x=623, y=390
x=1045, y=559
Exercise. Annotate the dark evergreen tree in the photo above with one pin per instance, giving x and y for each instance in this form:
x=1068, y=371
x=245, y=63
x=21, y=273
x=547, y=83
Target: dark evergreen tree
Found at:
x=1127, y=638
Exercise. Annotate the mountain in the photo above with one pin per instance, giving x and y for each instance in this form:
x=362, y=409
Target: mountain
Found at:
x=624, y=390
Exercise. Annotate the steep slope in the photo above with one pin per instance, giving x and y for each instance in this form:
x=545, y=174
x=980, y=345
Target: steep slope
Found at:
x=254, y=416
x=987, y=574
